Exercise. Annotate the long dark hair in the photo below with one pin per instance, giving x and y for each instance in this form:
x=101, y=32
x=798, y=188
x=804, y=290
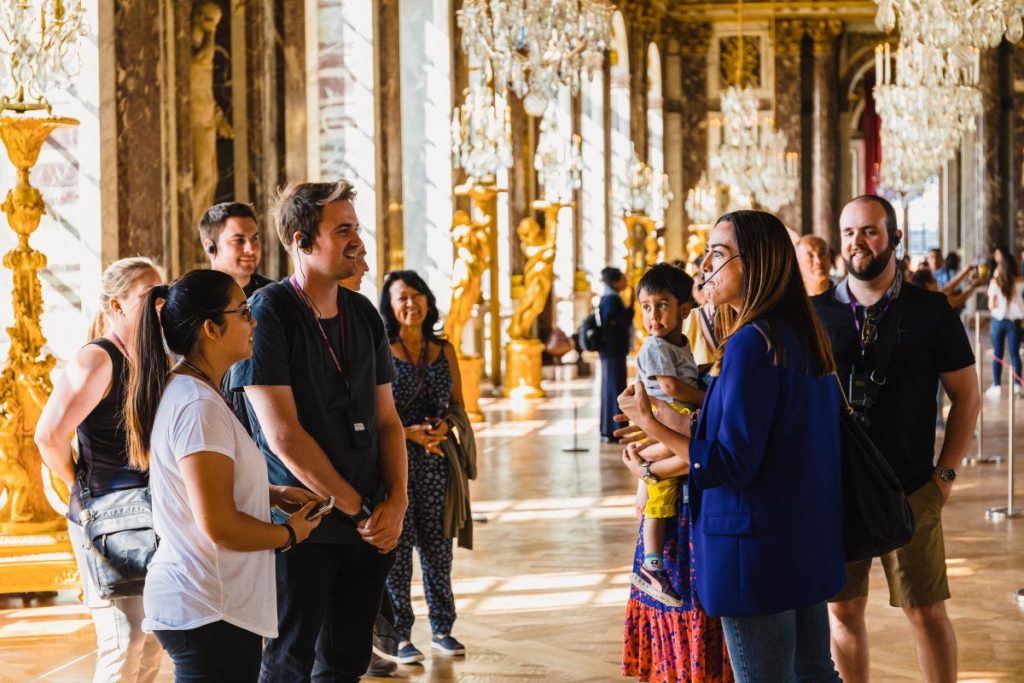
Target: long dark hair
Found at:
x=773, y=290
x=391, y=324
x=1007, y=271
x=188, y=302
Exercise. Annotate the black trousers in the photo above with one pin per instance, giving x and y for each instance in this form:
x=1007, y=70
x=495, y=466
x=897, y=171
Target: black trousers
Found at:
x=328, y=596
x=613, y=383
x=214, y=653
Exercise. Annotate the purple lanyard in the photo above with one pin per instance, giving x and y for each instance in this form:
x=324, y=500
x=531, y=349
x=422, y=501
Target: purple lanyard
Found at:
x=323, y=334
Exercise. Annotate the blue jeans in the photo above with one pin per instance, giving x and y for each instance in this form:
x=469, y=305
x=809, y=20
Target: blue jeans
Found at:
x=781, y=648
x=1004, y=331
x=214, y=653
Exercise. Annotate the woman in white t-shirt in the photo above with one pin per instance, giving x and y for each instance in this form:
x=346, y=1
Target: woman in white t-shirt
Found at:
x=1006, y=303
x=210, y=595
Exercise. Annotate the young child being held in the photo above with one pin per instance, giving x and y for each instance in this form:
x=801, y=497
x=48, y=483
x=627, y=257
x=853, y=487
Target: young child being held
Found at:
x=668, y=371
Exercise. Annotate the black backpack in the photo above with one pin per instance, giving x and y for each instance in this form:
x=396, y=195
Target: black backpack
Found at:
x=588, y=336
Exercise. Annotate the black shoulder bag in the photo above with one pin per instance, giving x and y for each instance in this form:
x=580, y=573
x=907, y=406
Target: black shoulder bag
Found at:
x=877, y=518
x=120, y=538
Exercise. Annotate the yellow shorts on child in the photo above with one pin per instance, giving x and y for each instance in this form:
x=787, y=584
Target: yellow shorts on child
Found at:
x=662, y=495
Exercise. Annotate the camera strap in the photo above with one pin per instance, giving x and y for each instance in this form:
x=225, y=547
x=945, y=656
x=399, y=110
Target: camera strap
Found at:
x=883, y=356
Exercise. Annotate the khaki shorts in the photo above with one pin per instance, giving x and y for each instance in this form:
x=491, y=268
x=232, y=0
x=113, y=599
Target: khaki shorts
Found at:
x=916, y=573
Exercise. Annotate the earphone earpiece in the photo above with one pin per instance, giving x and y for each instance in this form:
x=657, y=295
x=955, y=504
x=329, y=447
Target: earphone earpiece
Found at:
x=212, y=249
x=303, y=241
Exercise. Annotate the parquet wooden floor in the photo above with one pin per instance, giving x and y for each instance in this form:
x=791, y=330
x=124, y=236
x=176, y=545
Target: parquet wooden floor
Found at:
x=541, y=598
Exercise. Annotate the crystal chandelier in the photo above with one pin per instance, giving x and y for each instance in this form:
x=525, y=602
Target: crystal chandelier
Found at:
x=639, y=193
x=481, y=132
x=751, y=158
x=37, y=50
x=926, y=104
x=558, y=160
x=535, y=46
x=702, y=201
x=945, y=23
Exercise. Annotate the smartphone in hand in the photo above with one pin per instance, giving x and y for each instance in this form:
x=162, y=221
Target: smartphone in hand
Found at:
x=321, y=509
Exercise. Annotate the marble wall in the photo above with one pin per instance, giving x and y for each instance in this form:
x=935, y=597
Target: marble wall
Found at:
x=788, y=40
x=694, y=40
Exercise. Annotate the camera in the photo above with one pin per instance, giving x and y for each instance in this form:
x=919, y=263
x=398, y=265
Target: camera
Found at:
x=860, y=394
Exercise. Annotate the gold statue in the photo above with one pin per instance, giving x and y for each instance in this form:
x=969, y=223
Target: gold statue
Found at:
x=472, y=257
x=208, y=120
x=641, y=254
x=538, y=246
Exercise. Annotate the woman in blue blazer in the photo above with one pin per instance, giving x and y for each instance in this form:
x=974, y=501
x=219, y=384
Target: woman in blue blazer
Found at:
x=764, y=462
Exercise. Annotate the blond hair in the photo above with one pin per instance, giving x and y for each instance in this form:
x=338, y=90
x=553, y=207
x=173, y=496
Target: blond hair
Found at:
x=116, y=281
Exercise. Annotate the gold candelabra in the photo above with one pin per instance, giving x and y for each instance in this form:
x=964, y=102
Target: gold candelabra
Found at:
x=35, y=554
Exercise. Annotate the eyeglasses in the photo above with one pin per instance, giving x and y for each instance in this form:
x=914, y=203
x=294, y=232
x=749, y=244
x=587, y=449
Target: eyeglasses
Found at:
x=243, y=311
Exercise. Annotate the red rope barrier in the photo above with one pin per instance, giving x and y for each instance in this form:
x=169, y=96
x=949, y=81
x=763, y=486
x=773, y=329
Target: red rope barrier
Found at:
x=1005, y=365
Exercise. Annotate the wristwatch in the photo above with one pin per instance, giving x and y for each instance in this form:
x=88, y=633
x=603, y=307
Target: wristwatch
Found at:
x=646, y=475
x=365, y=510
x=946, y=473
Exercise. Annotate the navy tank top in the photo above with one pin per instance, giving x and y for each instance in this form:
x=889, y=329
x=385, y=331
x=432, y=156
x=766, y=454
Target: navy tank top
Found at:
x=102, y=438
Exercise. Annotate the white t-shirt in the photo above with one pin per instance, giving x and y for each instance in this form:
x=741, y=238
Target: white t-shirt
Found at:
x=1003, y=309
x=191, y=581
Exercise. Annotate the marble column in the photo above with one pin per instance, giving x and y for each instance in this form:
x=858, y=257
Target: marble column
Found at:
x=1018, y=148
x=694, y=40
x=144, y=53
x=788, y=38
x=675, y=215
x=825, y=128
x=388, y=112
x=993, y=73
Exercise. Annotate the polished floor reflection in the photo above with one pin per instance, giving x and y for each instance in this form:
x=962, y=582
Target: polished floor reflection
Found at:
x=541, y=598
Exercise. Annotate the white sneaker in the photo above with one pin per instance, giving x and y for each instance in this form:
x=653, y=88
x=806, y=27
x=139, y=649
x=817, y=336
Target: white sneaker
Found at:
x=994, y=391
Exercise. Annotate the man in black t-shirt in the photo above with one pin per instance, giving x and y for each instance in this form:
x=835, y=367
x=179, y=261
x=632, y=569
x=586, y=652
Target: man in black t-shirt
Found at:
x=318, y=389
x=911, y=340
x=231, y=239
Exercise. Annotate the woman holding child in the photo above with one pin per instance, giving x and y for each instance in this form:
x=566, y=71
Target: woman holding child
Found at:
x=763, y=460
x=668, y=637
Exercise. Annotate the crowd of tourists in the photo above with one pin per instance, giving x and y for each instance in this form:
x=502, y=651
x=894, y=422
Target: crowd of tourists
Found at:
x=257, y=460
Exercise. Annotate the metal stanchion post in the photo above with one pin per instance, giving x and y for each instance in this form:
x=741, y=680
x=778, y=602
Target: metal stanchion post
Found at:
x=980, y=457
x=1009, y=511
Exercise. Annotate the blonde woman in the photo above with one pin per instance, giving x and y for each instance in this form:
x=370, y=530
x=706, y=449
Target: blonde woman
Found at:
x=87, y=399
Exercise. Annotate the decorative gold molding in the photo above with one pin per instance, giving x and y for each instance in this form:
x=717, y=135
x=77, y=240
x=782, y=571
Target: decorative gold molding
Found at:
x=789, y=34
x=824, y=33
x=694, y=37
x=754, y=10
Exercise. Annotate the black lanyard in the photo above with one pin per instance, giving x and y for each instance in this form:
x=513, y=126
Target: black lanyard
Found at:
x=336, y=358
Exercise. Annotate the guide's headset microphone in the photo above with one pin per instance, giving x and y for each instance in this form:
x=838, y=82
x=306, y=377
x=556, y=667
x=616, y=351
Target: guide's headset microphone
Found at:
x=705, y=281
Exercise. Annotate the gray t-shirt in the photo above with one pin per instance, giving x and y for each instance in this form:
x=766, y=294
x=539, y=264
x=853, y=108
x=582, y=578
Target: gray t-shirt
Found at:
x=659, y=356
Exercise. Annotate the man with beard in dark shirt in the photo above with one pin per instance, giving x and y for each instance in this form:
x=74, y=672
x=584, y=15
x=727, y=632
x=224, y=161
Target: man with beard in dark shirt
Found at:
x=893, y=344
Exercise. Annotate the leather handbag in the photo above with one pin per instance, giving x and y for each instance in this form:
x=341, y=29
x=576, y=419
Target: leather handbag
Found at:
x=121, y=540
x=877, y=517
